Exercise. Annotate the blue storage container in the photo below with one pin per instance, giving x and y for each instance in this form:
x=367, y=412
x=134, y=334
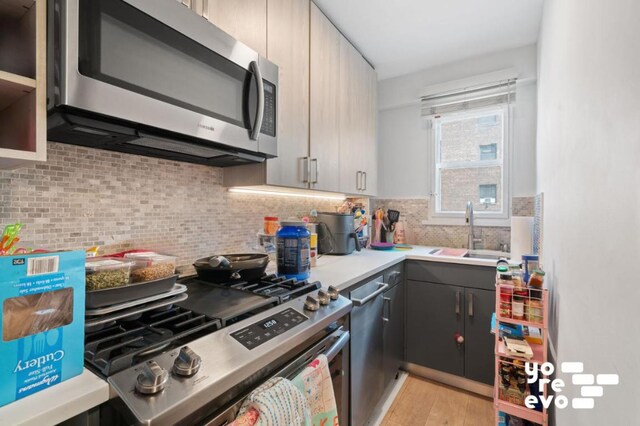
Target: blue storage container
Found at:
x=293, y=241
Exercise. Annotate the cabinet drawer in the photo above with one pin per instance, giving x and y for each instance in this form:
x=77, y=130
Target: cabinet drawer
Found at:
x=394, y=274
x=473, y=276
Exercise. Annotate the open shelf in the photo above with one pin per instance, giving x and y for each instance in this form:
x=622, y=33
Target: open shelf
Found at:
x=13, y=87
x=520, y=322
x=525, y=413
x=23, y=99
x=538, y=353
x=15, y=9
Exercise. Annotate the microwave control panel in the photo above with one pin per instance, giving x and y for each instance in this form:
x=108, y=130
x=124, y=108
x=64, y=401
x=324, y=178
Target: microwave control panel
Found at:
x=269, y=118
x=260, y=332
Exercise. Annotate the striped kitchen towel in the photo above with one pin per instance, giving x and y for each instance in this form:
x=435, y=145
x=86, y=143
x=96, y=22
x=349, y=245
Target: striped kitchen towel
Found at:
x=316, y=385
x=277, y=402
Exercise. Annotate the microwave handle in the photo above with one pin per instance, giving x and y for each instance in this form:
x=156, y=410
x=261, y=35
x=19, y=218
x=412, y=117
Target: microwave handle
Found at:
x=255, y=69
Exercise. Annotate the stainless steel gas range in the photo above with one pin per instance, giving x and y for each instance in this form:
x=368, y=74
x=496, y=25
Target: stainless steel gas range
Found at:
x=194, y=362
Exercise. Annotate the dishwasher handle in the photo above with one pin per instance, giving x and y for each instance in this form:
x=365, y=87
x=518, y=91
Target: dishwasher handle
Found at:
x=381, y=288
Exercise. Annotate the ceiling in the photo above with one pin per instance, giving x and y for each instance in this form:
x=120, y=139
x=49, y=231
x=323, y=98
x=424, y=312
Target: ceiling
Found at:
x=402, y=36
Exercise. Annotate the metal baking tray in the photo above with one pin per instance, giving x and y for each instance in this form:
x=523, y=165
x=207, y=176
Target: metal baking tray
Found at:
x=177, y=289
x=133, y=313
x=113, y=296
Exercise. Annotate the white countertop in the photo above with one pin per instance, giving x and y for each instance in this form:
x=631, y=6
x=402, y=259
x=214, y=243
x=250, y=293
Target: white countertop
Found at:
x=58, y=403
x=345, y=271
x=74, y=396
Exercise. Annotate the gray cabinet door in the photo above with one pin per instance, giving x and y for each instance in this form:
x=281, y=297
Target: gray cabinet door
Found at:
x=393, y=335
x=479, y=342
x=435, y=314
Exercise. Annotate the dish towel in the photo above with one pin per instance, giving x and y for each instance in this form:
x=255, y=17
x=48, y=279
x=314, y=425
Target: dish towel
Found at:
x=277, y=402
x=315, y=384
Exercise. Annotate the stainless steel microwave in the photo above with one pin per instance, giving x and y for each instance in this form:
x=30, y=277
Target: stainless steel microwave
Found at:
x=151, y=77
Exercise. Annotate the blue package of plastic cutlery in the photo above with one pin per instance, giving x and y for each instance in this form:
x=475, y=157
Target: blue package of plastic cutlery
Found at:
x=42, y=316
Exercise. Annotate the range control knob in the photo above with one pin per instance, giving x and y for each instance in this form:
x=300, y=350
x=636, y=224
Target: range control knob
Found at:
x=187, y=363
x=311, y=304
x=333, y=292
x=153, y=379
x=323, y=297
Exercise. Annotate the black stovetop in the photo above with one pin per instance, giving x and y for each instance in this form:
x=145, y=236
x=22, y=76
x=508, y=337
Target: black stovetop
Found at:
x=208, y=308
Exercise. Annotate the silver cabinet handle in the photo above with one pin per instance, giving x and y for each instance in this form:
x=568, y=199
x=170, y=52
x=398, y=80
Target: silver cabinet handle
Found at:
x=305, y=169
x=381, y=288
x=458, y=294
x=387, y=301
x=314, y=161
x=205, y=9
x=255, y=132
x=358, y=180
x=470, y=304
x=364, y=185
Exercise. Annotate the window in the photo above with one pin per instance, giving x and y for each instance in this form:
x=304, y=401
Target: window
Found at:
x=488, y=193
x=470, y=162
x=489, y=152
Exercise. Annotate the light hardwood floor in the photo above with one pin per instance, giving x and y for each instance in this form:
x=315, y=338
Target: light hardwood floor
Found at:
x=423, y=402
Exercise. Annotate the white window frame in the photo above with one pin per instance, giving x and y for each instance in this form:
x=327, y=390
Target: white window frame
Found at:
x=481, y=218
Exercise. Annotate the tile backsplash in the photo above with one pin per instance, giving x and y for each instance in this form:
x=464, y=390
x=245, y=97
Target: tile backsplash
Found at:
x=83, y=197
x=415, y=210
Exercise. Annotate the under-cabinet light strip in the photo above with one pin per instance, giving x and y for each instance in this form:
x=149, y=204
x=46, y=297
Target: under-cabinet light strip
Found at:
x=339, y=197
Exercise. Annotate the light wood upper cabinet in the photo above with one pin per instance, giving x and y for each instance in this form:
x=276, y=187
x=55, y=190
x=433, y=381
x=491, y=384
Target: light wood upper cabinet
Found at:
x=358, y=147
x=351, y=102
x=325, y=103
x=245, y=20
x=288, y=47
x=370, y=149
x=23, y=67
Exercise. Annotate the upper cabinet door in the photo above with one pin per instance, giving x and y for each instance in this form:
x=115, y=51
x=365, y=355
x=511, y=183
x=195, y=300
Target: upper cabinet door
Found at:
x=370, y=143
x=325, y=103
x=288, y=46
x=245, y=20
x=351, y=101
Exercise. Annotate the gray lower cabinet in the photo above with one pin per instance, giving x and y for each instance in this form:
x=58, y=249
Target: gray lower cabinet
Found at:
x=445, y=301
x=434, y=317
x=479, y=342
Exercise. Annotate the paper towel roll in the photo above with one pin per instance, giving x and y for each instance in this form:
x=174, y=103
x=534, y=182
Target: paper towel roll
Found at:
x=521, y=236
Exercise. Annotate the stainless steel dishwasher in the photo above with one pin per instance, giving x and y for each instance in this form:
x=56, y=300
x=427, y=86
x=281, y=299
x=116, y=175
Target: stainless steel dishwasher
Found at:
x=367, y=374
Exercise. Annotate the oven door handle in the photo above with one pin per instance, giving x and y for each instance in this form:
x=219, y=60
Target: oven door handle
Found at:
x=255, y=132
x=338, y=346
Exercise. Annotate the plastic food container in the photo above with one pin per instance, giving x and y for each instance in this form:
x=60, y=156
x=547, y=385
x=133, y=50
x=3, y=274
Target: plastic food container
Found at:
x=150, y=266
x=271, y=225
x=294, y=245
x=107, y=272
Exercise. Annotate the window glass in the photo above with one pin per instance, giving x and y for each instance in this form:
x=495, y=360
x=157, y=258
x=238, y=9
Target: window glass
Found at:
x=470, y=161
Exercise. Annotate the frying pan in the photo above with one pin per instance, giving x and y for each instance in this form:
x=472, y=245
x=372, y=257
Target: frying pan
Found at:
x=229, y=268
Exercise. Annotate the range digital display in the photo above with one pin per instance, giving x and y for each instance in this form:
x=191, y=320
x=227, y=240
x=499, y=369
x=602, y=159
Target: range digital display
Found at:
x=262, y=331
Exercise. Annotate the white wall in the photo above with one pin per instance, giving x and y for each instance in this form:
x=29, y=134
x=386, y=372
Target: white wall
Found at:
x=403, y=168
x=588, y=152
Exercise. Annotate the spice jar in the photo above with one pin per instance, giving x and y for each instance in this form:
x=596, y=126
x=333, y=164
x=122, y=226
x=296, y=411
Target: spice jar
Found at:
x=517, y=306
x=505, y=278
x=516, y=276
x=271, y=225
x=505, y=374
x=533, y=310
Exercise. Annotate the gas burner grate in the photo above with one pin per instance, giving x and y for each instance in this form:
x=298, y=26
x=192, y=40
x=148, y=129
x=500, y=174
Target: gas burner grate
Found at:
x=127, y=343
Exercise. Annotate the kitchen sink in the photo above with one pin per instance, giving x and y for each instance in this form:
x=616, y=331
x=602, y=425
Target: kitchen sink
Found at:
x=472, y=254
x=486, y=254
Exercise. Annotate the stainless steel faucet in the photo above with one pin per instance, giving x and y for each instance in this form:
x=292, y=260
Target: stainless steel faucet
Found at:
x=468, y=216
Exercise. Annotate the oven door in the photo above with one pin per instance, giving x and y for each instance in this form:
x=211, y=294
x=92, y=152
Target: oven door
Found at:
x=158, y=64
x=335, y=347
